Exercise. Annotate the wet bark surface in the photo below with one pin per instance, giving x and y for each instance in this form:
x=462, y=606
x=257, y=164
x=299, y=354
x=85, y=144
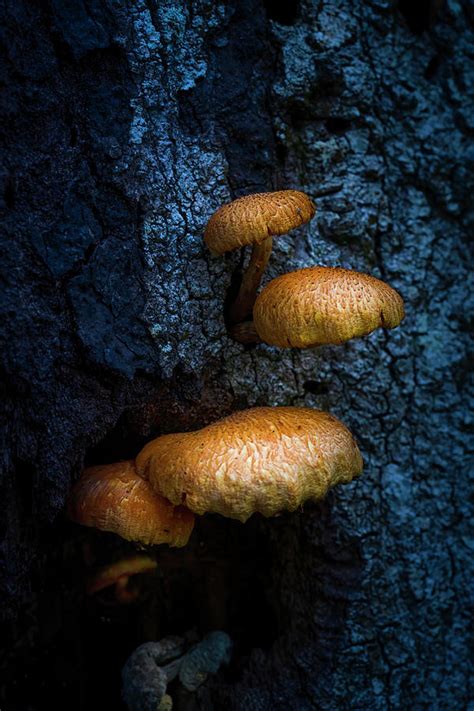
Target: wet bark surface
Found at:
x=125, y=126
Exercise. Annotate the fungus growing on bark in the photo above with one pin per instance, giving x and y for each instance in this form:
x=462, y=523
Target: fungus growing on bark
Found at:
x=255, y=219
x=144, y=681
x=265, y=459
x=321, y=305
x=114, y=498
x=119, y=574
x=205, y=658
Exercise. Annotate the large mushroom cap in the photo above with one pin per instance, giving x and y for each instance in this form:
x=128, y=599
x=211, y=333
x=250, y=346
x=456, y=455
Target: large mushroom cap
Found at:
x=114, y=498
x=253, y=218
x=265, y=459
x=319, y=305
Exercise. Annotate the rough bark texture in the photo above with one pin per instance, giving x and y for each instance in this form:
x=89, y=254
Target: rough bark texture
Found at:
x=127, y=125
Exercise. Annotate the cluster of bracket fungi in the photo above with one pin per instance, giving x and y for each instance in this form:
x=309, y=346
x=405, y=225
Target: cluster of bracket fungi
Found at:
x=263, y=459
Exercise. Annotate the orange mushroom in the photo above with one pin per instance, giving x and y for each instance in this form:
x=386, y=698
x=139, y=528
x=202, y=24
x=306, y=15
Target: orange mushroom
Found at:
x=115, y=498
x=265, y=459
x=119, y=574
x=321, y=305
x=255, y=219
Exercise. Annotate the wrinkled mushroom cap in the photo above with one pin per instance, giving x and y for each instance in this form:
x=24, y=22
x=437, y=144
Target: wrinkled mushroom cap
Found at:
x=114, y=498
x=265, y=459
x=253, y=218
x=319, y=305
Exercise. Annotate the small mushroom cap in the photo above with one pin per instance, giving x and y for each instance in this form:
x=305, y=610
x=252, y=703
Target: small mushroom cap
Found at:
x=114, y=498
x=253, y=218
x=265, y=459
x=119, y=570
x=321, y=305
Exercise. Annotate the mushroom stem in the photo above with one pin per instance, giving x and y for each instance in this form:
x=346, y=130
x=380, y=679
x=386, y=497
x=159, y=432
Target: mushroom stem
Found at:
x=245, y=332
x=251, y=279
x=124, y=592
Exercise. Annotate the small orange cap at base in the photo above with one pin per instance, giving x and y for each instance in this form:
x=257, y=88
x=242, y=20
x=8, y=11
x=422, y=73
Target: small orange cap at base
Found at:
x=118, y=574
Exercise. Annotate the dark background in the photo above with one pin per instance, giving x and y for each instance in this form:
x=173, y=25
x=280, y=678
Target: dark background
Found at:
x=125, y=125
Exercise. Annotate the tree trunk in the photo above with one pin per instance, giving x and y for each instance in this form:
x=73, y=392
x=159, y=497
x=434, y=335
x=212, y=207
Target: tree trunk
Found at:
x=126, y=126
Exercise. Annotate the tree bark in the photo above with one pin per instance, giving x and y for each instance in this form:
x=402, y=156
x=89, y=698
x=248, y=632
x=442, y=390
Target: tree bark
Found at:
x=126, y=125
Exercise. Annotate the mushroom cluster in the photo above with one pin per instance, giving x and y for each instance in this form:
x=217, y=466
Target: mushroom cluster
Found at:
x=261, y=460
x=255, y=220
x=264, y=459
x=305, y=308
